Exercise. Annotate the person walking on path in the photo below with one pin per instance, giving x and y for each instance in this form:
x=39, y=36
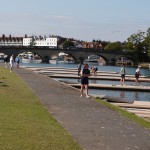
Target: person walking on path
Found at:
x=122, y=72
x=17, y=61
x=79, y=68
x=137, y=75
x=11, y=61
x=85, y=73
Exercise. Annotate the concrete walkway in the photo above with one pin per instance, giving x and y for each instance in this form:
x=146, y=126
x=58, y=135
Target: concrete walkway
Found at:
x=91, y=124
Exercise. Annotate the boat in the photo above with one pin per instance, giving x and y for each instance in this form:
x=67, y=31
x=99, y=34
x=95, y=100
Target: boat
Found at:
x=69, y=61
x=27, y=60
x=2, y=57
x=53, y=61
x=66, y=61
x=91, y=61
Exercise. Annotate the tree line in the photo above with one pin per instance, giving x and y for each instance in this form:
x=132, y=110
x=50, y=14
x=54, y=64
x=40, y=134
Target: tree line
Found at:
x=137, y=46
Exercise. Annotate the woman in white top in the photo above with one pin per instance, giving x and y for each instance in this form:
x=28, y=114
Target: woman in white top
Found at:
x=137, y=75
x=11, y=61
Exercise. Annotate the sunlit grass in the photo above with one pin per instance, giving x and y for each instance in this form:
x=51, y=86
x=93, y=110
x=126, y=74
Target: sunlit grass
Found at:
x=24, y=122
x=129, y=115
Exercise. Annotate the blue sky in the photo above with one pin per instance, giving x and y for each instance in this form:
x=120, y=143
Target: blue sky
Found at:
x=109, y=20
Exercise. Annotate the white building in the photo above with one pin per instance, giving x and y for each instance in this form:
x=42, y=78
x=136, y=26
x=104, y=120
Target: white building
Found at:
x=49, y=42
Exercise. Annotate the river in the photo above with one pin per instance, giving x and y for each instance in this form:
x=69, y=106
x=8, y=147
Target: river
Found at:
x=128, y=95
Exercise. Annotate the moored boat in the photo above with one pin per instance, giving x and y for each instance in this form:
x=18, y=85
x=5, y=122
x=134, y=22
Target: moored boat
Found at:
x=27, y=60
x=2, y=57
x=53, y=61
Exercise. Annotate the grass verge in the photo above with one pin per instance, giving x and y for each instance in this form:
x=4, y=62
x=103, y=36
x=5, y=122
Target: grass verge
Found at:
x=129, y=115
x=24, y=123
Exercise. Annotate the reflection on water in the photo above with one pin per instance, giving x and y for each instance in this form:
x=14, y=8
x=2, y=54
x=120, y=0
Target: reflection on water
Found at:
x=136, y=95
x=122, y=94
x=128, y=95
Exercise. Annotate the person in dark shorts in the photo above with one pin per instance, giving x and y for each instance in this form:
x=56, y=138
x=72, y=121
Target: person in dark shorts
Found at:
x=85, y=73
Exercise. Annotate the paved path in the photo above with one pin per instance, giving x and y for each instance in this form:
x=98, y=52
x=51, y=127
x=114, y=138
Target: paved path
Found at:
x=92, y=125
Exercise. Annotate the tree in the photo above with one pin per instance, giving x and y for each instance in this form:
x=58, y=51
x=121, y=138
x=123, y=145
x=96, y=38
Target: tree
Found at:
x=137, y=38
x=115, y=46
x=128, y=46
x=137, y=41
x=147, y=42
x=68, y=44
x=32, y=42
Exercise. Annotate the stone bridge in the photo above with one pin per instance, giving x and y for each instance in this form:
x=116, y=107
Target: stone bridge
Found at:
x=77, y=54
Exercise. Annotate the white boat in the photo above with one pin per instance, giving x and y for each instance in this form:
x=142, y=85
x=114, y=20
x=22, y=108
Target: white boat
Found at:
x=91, y=60
x=2, y=57
x=29, y=57
x=53, y=61
x=66, y=61
x=27, y=60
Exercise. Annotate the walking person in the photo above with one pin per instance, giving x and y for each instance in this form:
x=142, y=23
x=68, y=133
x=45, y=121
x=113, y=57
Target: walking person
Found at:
x=79, y=68
x=17, y=61
x=122, y=72
x=85, y=73
x=11, y=61
x=137, y=75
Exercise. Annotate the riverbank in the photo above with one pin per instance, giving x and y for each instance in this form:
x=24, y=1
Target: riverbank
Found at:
x=91, y=124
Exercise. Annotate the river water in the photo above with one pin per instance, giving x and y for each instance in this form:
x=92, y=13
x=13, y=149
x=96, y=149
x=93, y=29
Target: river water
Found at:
x=128, y=95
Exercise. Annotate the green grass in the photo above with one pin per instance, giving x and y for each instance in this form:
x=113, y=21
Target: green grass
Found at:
x=24, y=122
x=129, y=115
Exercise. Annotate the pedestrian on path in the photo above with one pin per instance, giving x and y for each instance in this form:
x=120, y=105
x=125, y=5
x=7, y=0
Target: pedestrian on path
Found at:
x=17, y=61
x=122, y=72
x=137, y=75
x=85, y=73
x=11, y=61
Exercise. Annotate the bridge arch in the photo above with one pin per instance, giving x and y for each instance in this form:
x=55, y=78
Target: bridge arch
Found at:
x=46, y=53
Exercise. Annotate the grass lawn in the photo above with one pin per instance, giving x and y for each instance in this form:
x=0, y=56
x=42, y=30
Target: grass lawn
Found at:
x=24, y=122
x=125, y=113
